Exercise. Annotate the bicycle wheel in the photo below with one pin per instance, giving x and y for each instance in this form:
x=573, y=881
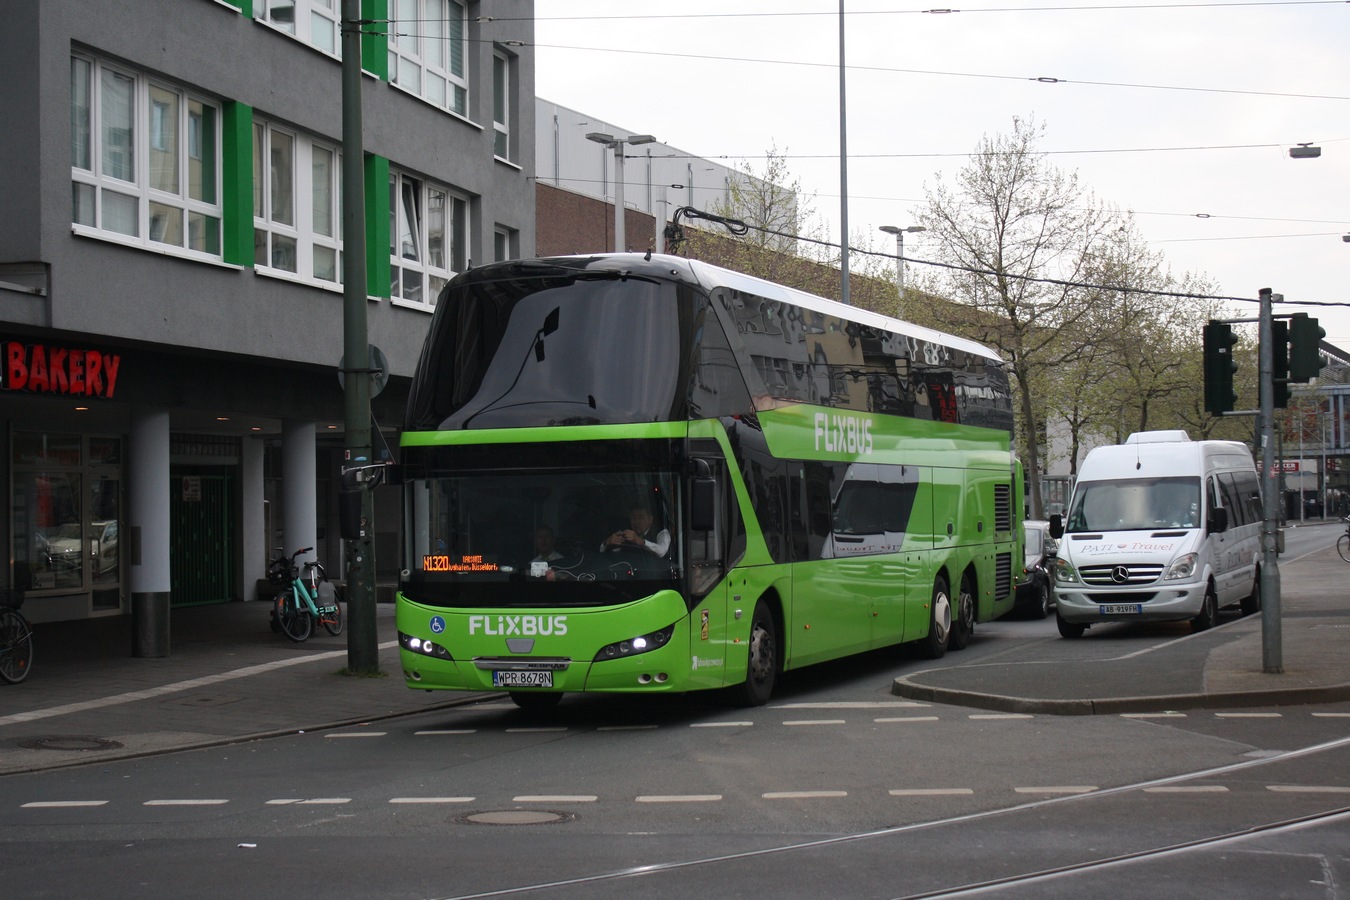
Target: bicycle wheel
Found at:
x=16, y=646
x=296, y=623
x=1343, y=546
x=332, y=621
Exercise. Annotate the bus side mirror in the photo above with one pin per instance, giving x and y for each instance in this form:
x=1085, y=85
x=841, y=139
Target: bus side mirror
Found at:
x=703, y=504
x=1057, y=526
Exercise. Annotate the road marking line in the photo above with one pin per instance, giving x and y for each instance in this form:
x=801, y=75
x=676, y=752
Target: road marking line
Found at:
x=1307, y=789
x=450, y=730
x=931, y=792
x=803, y=795
x=1332, y=715
x=191, y=684
x=888, y=719
x=626, y=728
x=1058, y=789
x=679, y=798
x=720, y=724
x=1161, y=715
x=185, y=803
x=1187, y=789
x=855, y=704
x=317, y=801
x=815, y=722
x=58, y=804
x=555, y=798
x=1233, y=715
x=432, y=799
x=357, y=734
x=1001, y=716
x=541, y=730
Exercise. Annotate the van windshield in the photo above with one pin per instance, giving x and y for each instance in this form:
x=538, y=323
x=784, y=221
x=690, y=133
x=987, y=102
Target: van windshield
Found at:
x=1138, y=504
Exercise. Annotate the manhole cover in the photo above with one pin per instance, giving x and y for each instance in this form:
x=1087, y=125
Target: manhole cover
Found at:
x=70, y=743
x=517, y=817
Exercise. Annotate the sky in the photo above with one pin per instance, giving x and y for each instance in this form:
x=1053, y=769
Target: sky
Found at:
x=1182, y=113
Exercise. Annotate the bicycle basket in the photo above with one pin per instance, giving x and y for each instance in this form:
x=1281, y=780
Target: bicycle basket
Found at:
x=279, y=572
x=11, y=597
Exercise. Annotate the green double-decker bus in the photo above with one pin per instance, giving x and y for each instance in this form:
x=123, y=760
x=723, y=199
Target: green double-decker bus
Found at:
x=644, y=474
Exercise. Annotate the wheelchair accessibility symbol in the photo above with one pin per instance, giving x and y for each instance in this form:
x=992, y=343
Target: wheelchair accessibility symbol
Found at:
x=437, y=625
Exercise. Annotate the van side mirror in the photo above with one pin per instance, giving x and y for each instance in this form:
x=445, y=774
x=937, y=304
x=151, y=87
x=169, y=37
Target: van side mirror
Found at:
x=1218, y=520
x=1057, y=526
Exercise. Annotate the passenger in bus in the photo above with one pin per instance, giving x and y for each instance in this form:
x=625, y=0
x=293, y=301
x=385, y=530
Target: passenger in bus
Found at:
x=640, y=533
x=545, y=545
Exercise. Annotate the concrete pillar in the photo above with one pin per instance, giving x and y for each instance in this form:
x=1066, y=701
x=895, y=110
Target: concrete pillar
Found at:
x=299, y=487
x=148, y=559
x=253, y=522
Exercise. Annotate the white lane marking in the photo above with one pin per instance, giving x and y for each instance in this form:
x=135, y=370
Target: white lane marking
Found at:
x=626, y=728
x=887, y=719
x=61, y=804
x=185, y=803
x=678, y=798
x=540, y=730
x=450, y=730
x=720, y=724
x=1187, y=789
x=432, y=799
x=1332, y=715
x=356, y=734
x=814, y=722
x=803, y=795
x=1058, y=789
x=555, y=798
x=1160, y=715
x=191, y=684
x=316, y=801
x=931, y=792
x=859, y=704
x=1237, y=715
x=1307, y=789
x=1000, y=716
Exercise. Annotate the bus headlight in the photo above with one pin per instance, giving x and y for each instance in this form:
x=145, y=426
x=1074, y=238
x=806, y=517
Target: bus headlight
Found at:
x=1182, y=567
x=422, y=646
x=643, y=643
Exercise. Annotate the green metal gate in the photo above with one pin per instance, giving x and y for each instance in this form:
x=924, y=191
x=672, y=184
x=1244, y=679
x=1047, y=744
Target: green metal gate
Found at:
x=201, y=549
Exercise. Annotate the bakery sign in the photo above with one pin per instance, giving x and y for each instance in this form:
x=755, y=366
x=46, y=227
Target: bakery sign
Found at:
x=51, y=369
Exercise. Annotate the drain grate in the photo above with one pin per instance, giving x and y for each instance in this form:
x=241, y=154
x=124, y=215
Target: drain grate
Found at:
x=517, y=817
x=70, y=743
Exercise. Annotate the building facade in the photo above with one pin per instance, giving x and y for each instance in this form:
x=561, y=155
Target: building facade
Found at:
x=171, y=240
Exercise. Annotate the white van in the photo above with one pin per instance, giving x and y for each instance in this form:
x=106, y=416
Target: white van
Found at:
x=1160, y=528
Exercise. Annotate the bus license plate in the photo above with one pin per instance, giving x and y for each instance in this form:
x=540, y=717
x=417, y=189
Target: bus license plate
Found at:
x=522, y=679
x=1121, y=609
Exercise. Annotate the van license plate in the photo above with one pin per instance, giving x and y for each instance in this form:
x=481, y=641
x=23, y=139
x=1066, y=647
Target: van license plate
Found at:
x=522, y=679
x=1121, y=609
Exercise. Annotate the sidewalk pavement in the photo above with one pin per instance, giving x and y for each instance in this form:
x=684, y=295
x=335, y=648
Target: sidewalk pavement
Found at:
x=229, y=678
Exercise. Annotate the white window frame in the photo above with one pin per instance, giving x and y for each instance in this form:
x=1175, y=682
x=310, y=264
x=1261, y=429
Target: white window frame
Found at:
x=313, y=22
x=422, y=52
x=93, y=185
x=315, y=250
x=505, y=243
x=417, y=272
x=503, y=103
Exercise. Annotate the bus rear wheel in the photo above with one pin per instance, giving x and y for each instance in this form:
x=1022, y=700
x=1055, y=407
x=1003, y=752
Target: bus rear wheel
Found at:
x=964, y=626
x=761, y=669
x=939, y=621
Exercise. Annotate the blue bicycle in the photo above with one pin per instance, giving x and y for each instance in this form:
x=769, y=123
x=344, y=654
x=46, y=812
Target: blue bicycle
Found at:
x=301, y=601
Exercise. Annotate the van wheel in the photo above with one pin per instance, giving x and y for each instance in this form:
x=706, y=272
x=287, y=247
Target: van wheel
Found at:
x=1252, y=602
x=1209, y=611
x=939, y=622
x=964, y=626
x=1069, y=630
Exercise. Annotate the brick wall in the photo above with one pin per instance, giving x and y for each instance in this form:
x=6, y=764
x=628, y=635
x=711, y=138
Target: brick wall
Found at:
x=567, y=223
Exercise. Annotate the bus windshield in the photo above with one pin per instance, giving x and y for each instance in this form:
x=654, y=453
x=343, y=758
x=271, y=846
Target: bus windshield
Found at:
x=563, y=538
x=1137, y=504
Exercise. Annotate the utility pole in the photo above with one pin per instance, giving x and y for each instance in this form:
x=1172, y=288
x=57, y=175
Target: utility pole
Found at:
x=363, y=655
x=1272, y=662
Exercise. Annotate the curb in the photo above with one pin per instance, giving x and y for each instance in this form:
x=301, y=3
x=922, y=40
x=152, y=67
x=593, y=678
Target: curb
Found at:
x=1085, y=706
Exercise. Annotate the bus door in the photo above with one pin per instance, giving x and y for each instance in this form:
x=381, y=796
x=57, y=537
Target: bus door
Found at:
x=707, y=537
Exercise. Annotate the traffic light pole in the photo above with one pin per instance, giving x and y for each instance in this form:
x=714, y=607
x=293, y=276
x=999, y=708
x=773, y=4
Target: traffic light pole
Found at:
x=1271, y=639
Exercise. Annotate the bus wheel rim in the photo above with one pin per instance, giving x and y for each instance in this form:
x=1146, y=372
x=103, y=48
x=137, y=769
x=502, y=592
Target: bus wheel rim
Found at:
x=942, y=615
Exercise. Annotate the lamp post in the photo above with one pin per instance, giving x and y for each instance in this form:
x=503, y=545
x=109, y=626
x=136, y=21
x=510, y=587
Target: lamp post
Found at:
x=617, y=145
x=900, y=251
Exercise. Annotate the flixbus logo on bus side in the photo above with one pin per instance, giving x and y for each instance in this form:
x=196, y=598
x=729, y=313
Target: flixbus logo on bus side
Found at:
x=528, y=626
x=842, y=433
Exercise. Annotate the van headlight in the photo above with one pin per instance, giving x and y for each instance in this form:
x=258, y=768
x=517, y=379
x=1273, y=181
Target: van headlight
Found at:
x=1064, y=572
x=1182, y=567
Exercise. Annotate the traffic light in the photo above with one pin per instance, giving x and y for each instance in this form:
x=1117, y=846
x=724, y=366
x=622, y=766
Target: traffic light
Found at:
x=1305, y=341
x=1219, y=367
x=1280, y=358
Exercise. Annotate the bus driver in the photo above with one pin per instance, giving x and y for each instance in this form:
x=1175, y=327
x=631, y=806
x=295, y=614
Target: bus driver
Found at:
x=639, y=533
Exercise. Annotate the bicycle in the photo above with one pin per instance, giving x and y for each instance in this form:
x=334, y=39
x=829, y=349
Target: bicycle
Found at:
x=1343, y=542
x=16, y=638
x=302, y=601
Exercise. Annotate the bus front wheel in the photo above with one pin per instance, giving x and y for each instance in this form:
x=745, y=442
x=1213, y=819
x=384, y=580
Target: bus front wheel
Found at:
x=761, y=669
x=939, y=621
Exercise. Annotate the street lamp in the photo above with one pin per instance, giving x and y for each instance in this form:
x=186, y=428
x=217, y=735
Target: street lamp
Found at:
x=1305, y=151
x=617, y=145
x=900, y=251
